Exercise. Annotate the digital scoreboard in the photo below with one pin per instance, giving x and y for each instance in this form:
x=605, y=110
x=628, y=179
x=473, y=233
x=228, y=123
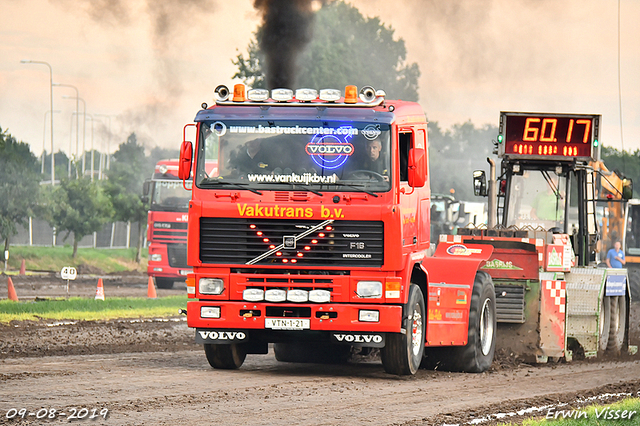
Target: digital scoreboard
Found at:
x=549, y=136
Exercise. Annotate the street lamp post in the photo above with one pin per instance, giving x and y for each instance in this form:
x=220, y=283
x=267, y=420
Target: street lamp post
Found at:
x=84, y=127
x=53, y=165
x=44, y=137
x=108, y=138
x=92, y=152
x=77, y=118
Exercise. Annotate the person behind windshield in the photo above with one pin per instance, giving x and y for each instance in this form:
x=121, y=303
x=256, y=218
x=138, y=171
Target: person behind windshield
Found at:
x=547, y=205
x=374, y=161
x=252, y=158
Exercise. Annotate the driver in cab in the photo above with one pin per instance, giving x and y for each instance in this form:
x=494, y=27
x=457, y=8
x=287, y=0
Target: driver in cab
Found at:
x=373, y=160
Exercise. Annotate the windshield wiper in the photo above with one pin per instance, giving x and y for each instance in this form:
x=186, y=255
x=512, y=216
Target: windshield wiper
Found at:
x=294, y=185
x=240, y=185
x=357, y=188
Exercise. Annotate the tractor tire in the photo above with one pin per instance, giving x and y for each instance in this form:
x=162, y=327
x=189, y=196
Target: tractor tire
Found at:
x=634, y=283
x=618, y=324
x=225, y=357
x=402, y=353
x=604, y=324
x=477, y=355
x=312, y=353
x=164, y=282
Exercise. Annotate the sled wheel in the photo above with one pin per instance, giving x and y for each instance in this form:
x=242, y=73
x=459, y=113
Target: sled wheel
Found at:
x=312, y=353
x=402, y=353
x=164, y=282
x=477, y=355
x=617, y=324
x=604, y=323
x=225, y=357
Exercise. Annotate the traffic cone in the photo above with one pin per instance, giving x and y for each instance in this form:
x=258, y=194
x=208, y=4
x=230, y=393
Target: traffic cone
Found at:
x=23, y=268
x=12, y=290
x=151, y=290
x=100, y=290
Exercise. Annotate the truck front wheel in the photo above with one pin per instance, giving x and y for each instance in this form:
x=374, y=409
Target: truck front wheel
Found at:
x=225, y=357
x=402, y=353
x=477, y=355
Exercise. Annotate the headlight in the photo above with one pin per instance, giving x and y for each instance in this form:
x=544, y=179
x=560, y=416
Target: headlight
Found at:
x=210, y=286
x=253, y=294
x=210, y=312
x=156, y=257
x=298, y=296
x=320, y=296
x=275, y=295
x=369, y=289
x=369, y=316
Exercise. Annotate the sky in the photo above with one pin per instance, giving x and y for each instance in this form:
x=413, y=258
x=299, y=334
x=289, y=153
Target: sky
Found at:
x=146, y=66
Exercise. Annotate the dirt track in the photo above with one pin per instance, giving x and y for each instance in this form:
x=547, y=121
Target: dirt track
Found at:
x=150, y=372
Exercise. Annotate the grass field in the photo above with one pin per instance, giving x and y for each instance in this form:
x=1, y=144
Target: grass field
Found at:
x=623, y=413
x=90, y=309
x=55, y=258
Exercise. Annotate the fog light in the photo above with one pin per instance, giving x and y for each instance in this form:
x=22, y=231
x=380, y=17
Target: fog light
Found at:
x=282, y=95
x=369, y=316
x=369, y=289
x=157, y=269
x=330, y=95
x=156, y=257
x=320, y=296
x=253, y=294
x=210, y=312
x=210, y=286
x=275, y=295
x=297, y=296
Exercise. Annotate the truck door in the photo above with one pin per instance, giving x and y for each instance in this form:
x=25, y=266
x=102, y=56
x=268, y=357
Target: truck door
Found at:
x=414, y=204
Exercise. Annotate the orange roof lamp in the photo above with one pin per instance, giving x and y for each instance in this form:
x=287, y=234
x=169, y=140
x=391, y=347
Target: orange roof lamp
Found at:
x=238, y=93
x=350, y=94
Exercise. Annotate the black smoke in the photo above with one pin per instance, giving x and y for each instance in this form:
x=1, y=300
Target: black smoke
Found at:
x=287, y=28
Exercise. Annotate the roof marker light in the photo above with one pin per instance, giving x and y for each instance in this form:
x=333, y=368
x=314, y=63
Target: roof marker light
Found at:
x=238, y=93
x=330, y=95
x=258, y=95
x=282, y=95
x=350, y=94
x=306, y=95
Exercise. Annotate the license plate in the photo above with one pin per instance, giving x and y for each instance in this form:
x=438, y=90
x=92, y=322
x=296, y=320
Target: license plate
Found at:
x=287, y=323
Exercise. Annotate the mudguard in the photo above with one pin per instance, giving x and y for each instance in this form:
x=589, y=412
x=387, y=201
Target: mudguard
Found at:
x=451, y=272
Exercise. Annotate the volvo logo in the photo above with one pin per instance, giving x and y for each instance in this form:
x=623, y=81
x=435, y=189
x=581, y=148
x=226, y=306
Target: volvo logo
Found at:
x=222, y=335
x=359, y=339
x=289, y=242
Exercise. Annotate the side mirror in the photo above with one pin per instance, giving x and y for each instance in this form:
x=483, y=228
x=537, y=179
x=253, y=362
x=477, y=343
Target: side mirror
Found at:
x=417, y=168
x=145, y=187
x=627, y=189
x=186, y=154
x=479, y=183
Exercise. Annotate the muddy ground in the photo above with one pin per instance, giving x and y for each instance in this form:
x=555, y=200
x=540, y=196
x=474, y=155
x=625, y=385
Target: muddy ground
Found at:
x=150, y=372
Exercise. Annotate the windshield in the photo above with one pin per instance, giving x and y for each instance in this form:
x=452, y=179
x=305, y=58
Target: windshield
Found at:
x=306, y=155
x=169, y=195
x=537, y=200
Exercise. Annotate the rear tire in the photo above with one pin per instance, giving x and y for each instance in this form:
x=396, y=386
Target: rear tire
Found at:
x=225, y=357
x=312, y=353
x=164, y=283
x=403, y=353
x=618, y=324
x=634, y=283
x=604, y=323
x=477, y=355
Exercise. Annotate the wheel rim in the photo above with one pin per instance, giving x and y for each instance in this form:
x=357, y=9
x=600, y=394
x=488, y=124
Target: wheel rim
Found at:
x=486, y=327
x=416, y=331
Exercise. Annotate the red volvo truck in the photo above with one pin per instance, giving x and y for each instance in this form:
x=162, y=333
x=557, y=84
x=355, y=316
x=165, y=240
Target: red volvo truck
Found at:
x=313, y=234
x=167, y=224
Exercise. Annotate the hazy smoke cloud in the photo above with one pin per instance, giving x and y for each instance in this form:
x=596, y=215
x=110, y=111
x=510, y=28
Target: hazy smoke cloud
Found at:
x=287, y=28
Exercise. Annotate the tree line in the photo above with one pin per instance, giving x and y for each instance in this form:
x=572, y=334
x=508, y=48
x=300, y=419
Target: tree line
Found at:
x=78, y=205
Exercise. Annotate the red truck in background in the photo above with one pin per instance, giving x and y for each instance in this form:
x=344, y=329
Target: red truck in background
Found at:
x=167, y=224
x=314, y=234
